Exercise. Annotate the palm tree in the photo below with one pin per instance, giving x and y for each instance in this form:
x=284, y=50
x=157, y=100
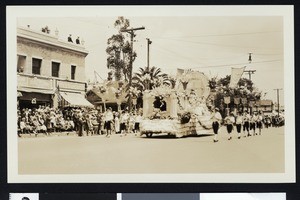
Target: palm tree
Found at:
x=149, y=77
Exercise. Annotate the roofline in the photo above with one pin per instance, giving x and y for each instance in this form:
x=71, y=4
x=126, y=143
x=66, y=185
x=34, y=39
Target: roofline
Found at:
x=23, y=32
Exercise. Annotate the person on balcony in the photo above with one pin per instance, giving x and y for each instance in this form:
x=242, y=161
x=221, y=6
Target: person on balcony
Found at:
x=70, y=38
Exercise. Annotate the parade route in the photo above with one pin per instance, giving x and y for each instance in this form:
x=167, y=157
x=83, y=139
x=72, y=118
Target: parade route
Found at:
x=133, y=154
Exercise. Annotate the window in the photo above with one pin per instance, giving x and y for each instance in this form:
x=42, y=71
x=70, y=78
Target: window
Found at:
x=21, y=63
x=73, y=71
x=55, y=69
x=36, y=66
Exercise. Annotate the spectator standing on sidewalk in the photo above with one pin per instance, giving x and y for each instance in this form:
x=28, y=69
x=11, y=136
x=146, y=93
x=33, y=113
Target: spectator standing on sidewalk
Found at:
x=138, y=119
x=117, y=123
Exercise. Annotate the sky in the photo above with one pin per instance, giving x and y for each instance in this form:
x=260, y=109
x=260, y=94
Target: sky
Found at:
x=210, y=44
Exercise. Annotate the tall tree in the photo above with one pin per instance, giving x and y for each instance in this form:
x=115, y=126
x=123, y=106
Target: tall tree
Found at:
x=118, y=50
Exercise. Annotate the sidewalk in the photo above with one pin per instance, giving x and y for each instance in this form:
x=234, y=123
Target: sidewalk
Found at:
x=33, y=135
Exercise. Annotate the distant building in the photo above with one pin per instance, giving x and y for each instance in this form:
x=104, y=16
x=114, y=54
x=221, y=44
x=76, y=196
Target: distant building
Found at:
x=265, y=106
x=49, y=71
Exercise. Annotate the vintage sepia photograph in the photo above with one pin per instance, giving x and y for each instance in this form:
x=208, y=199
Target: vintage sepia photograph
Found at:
x=150, y=94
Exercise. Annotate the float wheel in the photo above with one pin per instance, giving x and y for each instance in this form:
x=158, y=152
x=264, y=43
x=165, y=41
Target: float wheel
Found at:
x=148, y=135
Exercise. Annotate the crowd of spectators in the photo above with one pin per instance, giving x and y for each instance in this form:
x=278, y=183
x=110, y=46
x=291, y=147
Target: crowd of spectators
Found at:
x=85, y=121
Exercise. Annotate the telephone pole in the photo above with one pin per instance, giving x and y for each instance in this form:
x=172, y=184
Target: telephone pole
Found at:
x=132, y=35
x=148, y=44
x=250, y=72
x=277, y=90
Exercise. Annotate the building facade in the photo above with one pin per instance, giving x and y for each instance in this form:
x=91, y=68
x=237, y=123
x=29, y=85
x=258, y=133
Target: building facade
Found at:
x=50, y=71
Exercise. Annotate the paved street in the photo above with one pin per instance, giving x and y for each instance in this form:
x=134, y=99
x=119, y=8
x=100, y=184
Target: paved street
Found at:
x=132, y=154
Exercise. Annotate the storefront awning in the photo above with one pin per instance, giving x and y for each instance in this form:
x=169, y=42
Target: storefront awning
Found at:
x=76, y=99
x=35, y=90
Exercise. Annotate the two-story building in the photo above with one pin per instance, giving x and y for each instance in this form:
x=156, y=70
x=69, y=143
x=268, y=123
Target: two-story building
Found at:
x=50, y=71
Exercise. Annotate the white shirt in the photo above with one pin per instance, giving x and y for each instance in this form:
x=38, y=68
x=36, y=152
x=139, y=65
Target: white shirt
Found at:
x=217, y=117
x=109, y=116
x=124, y=118
x=254, y=118
x=229, y=120
x=239, y=119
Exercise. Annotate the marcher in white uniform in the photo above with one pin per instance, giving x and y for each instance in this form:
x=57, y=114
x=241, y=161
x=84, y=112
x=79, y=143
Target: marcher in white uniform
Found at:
x=246, y=124
x=124, y=122
x=259, y=121
x=229, y=121
x=253, y=121
x=239, y=122
x=216, y=118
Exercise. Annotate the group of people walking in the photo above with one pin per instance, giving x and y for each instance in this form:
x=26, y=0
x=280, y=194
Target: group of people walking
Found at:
x=106, y=123
x=120, y=122
x=249, y=125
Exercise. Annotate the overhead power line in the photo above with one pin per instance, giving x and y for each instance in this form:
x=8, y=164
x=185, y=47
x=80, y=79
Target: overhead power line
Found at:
x=225, y=34
x=214, y=44
x=224, y=65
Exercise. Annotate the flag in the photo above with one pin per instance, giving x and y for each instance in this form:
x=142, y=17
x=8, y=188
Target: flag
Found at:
x=236, y=74
x=180, y=72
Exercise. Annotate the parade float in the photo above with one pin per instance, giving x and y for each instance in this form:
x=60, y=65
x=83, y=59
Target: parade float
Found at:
x=180, y=110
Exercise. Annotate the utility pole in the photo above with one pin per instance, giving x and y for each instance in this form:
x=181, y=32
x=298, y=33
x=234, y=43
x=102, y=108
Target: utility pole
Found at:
x=132, y=35
x=250, y=72
x=277, y=90
x=148, y=44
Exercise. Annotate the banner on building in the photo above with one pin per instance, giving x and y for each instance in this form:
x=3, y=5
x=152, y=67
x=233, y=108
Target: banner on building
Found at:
x=236, y=74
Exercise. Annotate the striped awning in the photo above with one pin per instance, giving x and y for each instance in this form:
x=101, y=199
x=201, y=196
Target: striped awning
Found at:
x=75, y=99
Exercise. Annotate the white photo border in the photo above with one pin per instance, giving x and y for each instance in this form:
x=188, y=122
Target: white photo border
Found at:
x=287, y=12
